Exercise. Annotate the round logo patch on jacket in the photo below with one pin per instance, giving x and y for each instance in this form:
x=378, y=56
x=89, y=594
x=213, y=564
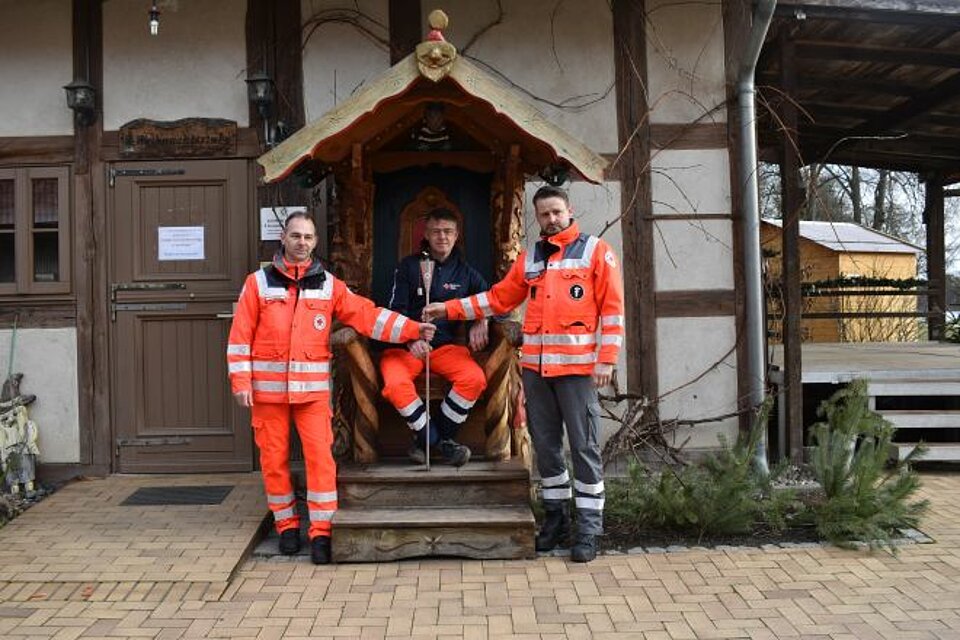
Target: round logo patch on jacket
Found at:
x=576, y=291
x=319, y=322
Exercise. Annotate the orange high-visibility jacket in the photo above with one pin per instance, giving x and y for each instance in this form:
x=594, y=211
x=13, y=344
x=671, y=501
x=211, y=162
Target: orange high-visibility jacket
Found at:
x=279, y=344
x=572, y=284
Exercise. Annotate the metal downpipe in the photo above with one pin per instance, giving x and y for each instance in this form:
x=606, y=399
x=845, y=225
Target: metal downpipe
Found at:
x=754, y=330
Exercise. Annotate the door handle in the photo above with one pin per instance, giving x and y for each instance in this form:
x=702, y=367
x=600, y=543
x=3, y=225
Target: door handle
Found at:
x=226, y=315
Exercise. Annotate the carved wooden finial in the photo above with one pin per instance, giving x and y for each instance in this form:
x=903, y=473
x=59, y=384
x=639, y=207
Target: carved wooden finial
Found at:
x=438, y=20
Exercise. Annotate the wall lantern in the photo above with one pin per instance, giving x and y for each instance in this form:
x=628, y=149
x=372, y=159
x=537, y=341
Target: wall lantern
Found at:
x=260, y=90
x=154, y=17
x=82, y=99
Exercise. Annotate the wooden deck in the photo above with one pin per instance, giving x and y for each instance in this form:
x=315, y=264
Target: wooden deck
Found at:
x=834, y=363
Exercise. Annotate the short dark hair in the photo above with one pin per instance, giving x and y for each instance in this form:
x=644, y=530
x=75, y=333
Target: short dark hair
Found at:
x=441, y=213
x=550, y=192
x=299, y=214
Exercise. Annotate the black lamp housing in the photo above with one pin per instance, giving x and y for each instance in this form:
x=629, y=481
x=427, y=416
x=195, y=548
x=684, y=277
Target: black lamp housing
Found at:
x=260, y=90
x=82, y=99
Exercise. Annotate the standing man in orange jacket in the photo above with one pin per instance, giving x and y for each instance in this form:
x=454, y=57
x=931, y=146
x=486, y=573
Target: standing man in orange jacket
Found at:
x=278, y=357
x=572, y=285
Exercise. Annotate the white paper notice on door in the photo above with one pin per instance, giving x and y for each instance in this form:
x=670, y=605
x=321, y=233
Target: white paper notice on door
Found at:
x=180, y=243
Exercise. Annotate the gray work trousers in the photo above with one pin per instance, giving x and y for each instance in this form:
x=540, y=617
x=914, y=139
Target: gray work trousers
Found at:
x=551, y=404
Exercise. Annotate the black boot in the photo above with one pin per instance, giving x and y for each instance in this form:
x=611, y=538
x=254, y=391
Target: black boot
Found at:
x=555, y=529
x=584, y=549
x=320, y=550
x=290, y=542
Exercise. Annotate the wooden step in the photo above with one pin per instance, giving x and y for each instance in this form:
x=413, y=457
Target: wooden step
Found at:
x=936, y=451
x=401, y=483
x=913, y=388
x=922, y=419
x=381, y=534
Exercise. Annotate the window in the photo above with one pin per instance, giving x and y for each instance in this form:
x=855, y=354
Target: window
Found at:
x=34, y=224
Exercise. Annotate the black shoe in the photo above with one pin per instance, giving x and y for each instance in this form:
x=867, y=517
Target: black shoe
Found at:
x=416, y=454
x=585, y=548
x=320, y=550
x=555, y=529
x=290, y=542
x=454, y=453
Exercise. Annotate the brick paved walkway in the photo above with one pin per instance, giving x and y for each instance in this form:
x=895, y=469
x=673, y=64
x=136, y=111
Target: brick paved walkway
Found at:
x=759, y=593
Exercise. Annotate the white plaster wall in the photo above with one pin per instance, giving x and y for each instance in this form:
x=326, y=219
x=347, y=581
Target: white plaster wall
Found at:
x=195, y=67
x=561, y=52
x=685, y=68
x=338, y=58
x=701, y=349
x=48, y=360
x=36, y=47
x=693, y=254
x=695, y=181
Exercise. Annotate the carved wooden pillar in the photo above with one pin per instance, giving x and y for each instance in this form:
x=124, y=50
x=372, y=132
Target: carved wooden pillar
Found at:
x=352, y=245
x=359, y=373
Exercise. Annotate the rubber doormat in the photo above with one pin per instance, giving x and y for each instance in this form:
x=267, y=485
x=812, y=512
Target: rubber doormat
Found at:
x=158, y=496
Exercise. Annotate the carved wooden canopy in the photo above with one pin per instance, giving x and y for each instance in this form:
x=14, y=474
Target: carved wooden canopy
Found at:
x=476, y=101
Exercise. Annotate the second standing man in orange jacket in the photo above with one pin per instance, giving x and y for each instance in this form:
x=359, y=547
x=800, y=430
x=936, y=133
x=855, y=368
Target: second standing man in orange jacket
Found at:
x=572, y=285
x=278, y=357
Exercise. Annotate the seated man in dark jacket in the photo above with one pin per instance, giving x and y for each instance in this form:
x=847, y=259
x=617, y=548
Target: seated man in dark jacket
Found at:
x=452, y=278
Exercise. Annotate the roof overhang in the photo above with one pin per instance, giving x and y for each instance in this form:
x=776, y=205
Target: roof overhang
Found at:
x=877, y=82
x=330, y=138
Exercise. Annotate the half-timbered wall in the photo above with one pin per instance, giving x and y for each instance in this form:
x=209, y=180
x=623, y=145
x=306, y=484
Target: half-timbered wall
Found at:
x=36, y=49
x=196, y=68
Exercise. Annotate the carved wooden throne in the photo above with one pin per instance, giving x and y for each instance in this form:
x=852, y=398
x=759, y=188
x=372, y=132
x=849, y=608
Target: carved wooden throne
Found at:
x=489, y=130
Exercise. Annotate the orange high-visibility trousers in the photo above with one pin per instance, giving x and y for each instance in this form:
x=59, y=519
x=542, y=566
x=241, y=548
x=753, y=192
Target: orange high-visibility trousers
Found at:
x=271, y=429
x=454, y=363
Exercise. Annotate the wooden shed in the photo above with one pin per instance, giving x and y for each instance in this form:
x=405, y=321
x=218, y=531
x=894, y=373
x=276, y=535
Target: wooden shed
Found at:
x=835, y=254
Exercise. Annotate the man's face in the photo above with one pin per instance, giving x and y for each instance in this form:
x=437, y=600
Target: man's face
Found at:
x=553, y=214
x=299, y=240
x=441, y=235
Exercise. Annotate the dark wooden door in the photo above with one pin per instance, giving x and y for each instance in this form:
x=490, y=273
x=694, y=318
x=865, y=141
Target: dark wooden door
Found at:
x=179, y=240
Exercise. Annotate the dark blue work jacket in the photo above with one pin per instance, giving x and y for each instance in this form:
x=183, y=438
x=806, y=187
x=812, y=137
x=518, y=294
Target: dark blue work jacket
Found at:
x=453, y=278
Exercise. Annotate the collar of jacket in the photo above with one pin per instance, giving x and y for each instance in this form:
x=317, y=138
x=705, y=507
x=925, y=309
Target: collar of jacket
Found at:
x=565, y=237
x=453, y=258
x=281, y=267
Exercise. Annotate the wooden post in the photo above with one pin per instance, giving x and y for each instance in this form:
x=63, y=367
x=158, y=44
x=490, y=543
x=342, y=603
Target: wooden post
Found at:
x=792, y=202
x=633, y=131
x=936, y=257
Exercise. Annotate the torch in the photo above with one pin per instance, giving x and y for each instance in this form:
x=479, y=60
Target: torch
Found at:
x=426, y=274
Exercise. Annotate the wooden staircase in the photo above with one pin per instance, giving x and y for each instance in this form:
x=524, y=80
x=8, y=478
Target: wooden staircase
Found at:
x=927, y=405
x=393, y=510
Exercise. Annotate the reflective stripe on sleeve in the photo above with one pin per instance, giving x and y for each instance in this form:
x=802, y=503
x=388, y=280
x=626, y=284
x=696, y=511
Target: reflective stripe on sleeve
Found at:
x=615, y=340
x=484, y=304
x=239, y=367
x=467, y=307
x=321, y=496
x=611, y=321
x=238, y=349
x=398, y=329
x=379, y=325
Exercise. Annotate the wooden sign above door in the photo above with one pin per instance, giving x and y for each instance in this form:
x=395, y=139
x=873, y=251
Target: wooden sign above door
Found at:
x=185, y=138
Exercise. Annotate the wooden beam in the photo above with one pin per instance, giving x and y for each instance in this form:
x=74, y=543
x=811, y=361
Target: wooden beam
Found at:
x=406, y=23
x=919, y=106
x=940, y=15
x=40, y=149
x=696, y=304
x=693, y=135
x=633, y=169
x=848, y=85
x=792, y=195
x=818, y=50
x=936, y=256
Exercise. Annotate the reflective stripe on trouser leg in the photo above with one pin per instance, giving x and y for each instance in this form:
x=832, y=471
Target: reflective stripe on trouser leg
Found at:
x=545, y=424
x=313, y=425
x=455, y=363
x=399, y=369
x=580, y=408
x=271, y=431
